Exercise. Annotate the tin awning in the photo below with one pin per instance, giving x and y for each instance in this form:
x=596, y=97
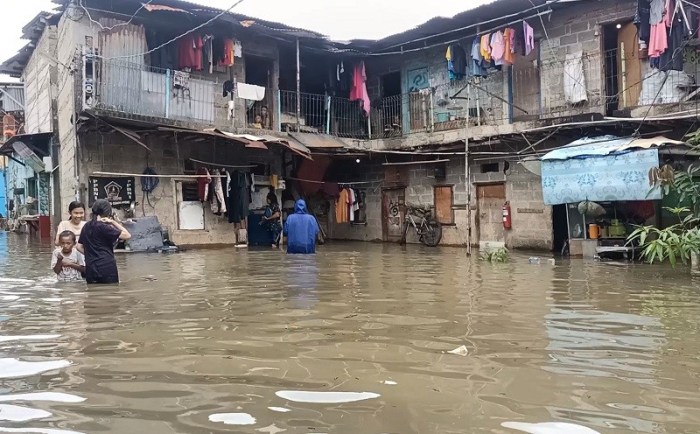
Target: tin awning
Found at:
x=605, y=168
x=30, y=148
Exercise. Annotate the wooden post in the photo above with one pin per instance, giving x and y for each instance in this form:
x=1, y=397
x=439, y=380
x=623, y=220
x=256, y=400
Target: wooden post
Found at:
x=467, y=175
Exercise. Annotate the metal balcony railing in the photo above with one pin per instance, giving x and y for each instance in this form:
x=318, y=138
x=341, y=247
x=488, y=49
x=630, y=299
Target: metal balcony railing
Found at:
x=162, y=93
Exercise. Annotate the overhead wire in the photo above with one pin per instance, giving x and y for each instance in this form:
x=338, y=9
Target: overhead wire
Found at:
x=206, y=23
x=124, y=24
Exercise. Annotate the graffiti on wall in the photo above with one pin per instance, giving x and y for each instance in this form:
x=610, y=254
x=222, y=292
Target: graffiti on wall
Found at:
x=418, y=79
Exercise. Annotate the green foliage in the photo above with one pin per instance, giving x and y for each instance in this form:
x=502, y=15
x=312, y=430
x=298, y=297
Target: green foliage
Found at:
x=675, y=243
x=495, y=255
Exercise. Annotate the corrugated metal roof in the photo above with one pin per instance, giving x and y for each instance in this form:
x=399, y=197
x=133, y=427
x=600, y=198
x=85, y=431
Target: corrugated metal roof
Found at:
x=12, y=97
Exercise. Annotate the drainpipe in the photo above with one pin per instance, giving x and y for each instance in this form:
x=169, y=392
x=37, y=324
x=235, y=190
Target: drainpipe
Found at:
x=298, y=87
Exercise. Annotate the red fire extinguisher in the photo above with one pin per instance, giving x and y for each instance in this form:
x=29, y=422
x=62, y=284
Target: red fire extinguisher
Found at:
x=507, y=220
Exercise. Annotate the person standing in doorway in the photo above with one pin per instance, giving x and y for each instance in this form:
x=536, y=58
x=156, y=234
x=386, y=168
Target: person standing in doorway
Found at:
x=75, y=222
x=97, y=242
x=301, y=230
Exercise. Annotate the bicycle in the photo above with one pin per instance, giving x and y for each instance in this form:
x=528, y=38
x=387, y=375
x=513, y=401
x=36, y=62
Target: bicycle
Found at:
x=428, y=230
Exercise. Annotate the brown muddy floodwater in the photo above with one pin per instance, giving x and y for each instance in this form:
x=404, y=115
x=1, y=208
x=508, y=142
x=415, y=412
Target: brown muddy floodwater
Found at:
x=353, y=340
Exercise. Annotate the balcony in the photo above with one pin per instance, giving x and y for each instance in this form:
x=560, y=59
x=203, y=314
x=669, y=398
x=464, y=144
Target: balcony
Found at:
x=526, y=95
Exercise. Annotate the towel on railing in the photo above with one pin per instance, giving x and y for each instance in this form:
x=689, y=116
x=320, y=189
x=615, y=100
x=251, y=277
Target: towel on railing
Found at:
x=250, y=92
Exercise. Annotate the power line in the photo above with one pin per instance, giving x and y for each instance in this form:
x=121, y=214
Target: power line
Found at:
x=129, y=56
x=87, y=12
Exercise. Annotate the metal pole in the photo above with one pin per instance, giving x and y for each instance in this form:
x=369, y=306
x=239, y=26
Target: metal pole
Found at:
x=298, y=87
x=467, y=175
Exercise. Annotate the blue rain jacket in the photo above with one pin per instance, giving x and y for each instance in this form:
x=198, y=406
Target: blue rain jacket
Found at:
x=301, y=230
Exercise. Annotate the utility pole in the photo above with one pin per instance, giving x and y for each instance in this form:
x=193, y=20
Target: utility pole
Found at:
x=467, y=175
x=298, y=87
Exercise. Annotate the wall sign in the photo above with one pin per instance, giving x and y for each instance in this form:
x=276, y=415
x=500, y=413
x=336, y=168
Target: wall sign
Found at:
x=117, y=190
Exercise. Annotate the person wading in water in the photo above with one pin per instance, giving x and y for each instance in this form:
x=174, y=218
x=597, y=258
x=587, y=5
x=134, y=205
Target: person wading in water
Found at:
x=97, y=241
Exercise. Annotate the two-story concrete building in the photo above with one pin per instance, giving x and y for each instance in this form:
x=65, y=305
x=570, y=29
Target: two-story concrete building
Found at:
x=178, y=88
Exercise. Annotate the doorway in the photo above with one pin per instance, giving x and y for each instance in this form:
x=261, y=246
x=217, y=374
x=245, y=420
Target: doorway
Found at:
x=489, y=217
x=560, y=227
x=393, y=212
x=390, y=108
x=611, y=64
x=258, y=72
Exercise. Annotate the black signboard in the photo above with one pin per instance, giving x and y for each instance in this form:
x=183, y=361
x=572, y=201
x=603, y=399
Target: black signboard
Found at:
x=117, y=190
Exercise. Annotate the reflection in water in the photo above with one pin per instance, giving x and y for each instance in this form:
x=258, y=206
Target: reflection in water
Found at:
x=356, y=336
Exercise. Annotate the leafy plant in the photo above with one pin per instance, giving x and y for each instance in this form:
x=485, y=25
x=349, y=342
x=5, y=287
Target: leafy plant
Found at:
x=674, y=243
x=495, y=255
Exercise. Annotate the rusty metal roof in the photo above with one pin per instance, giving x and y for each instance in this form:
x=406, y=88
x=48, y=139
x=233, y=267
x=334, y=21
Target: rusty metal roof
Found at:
x=317, y=141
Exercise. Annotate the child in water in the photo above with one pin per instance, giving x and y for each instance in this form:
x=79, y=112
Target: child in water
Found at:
x=67, y=262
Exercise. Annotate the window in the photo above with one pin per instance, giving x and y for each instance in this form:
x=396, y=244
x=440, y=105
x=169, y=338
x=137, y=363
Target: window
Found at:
x=490, y=168
x=444, y=200
x=190, y=211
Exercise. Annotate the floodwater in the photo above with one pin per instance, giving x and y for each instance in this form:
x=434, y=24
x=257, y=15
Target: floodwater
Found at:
x=356, y=339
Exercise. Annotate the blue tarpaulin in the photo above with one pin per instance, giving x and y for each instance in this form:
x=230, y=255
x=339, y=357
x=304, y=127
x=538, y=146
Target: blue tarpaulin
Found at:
x=600, y=169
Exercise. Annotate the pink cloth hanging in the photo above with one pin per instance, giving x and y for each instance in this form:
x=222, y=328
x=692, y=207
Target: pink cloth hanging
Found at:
x=529, y=38
x=658, y=40
x=358, y=92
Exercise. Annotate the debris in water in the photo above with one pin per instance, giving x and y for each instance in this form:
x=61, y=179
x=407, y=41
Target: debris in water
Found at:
x=233, y=418
x=390, y=382
x=325, y=397
x=279, y=409
x=460, y=351
x=549, y=428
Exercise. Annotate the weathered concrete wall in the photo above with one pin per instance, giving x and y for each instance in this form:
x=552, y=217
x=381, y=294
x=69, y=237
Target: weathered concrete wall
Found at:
x=38, y=82
x=532, y=221
x=117, y=154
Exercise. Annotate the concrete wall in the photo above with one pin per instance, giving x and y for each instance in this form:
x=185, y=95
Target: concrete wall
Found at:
x=532, y=221
x=38, y=81
x=117, y=154
x=576, y=28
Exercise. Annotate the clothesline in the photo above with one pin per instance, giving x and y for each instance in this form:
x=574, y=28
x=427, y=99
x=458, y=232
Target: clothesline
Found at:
x=222, y=165
x=332, y=182
x=155, y=176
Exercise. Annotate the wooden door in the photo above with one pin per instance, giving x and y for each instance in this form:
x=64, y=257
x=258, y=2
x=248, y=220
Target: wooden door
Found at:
x=444, y=199
x=525, y=79
x=489, y=224
x=629, y=67
x=393, y=212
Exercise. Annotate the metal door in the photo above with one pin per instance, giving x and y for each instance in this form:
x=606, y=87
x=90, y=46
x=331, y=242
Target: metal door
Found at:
x=393, y=208
x=489, y=224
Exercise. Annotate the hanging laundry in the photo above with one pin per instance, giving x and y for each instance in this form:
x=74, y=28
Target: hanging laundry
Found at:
x=529, y=33
x=228, y=56
x=641, y=20
x=358, y=92
x=477, y=68
x=237, y=49
x=574, y=79
x=672, y=58
x=457, y=62
x=508, y=46
x=250, y=92
x=190, y=52
x=342, y=207
x=218, y=193
x=656, y=11
x=203, y=184
x=497, y=47
x=228, y=88
x=658, y=40
x=669, y=10
x=486, y=48
x=208, y=53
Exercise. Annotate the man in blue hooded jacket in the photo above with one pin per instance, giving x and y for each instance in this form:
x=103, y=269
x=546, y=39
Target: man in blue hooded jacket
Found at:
x=301, y=230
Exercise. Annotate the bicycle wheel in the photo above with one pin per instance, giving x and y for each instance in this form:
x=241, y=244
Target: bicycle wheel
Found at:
x=432, y=233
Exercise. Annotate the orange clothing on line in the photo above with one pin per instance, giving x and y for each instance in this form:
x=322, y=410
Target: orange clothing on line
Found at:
x=508, y=55
x=342, y=207
x=486, y=47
